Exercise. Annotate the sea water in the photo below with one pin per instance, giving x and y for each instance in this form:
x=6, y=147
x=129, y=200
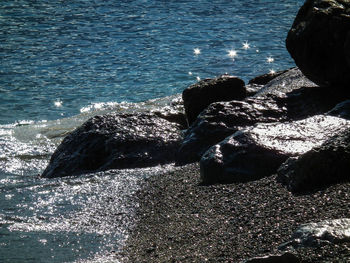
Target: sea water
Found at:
x=62, y=62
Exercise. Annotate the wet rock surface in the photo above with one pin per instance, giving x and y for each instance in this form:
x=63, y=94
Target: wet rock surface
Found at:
x=253, y=153
x=319, y=41
x=265, y=78
x=317, y=234
x=323, y=165
x=198, y=96
x=116, y=141
x=290, y=96
x=222, y=119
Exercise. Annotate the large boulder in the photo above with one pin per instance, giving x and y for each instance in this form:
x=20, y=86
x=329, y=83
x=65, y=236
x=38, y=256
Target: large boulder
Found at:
x=200, y=95
x=326, y=164
x=257, y=152
x=319, y=41
x=290, y=96
x=116, y=141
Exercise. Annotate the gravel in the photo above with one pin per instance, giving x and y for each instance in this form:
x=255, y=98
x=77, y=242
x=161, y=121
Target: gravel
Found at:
x=178, y=220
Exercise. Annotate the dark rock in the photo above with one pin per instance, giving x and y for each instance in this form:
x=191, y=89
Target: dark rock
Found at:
x=115, y=141
x=317, y=234
x=198, y=96
x=284, y=258
x=319, y=41
x=266, y=78
x=257, y=152
x=173, y=112
x=323, y=165
x=222, y=119
x=253, y=89
x=290, y=96
x=341, y=110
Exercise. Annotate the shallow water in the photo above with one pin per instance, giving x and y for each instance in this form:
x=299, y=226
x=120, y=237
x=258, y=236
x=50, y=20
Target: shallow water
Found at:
x=65, y=61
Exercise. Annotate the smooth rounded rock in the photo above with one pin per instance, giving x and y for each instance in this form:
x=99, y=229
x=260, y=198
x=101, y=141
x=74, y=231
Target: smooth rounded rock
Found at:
x=116, y=141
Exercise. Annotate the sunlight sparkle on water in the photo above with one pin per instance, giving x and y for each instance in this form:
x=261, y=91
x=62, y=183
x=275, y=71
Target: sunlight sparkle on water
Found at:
x=232, y=53
x=246, y=45
x=58, y=103
x=196, y=51
x=270, y=59
x=198, y=78
x=272, y=71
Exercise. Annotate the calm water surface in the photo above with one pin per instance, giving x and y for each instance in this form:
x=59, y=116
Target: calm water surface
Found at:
x=64, y=61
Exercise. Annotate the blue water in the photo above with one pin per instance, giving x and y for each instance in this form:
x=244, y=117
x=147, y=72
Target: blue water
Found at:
x=64, y=61
x=81, y=52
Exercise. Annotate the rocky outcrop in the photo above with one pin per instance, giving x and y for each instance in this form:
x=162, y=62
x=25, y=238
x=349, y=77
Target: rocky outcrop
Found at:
x=316, y=234
x=253, y=153
x=323, y=165
x=319, y=41
x=290, y=96
x=265, y=78
x=116, y=141
x=200, y=95
x=341, y=110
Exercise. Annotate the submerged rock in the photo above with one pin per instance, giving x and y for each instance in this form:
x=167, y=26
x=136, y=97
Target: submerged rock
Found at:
x=316, y=234
x=116, y=141
x=257, y=152
x=319, y=41
x=323, y=165
x=290, y=96
x=198, y=96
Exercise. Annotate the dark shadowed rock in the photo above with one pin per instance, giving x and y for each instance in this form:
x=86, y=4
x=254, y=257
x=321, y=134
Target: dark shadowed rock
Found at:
x=253, y=153
x=115, y=141
x=198, y=96
x=173, y=112
x=222, y=119
x=284, y=258
x=290, y=96
x=324, y=165
x=319, y=41
x=341, y=110
x=317, y=234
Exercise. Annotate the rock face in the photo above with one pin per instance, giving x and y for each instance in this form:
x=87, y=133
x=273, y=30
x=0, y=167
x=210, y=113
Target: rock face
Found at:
x=319, y=41
x=290, y=96
x=253, y=153
x=116, y=141
x=316, y=234
x=324, y=165
x=198, y=96
x=266, y=78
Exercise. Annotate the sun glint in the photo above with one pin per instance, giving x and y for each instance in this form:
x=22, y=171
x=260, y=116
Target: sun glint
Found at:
x=232, y=53
x=246, y=45
x=196, y=51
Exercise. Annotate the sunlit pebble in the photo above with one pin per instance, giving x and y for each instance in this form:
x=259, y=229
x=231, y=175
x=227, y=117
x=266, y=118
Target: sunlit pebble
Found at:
x=270, y=60
x=190, y=73
x=198, y=78
x=196, y=51
x=232, y=53
x=58, y=103
x=246, y=45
